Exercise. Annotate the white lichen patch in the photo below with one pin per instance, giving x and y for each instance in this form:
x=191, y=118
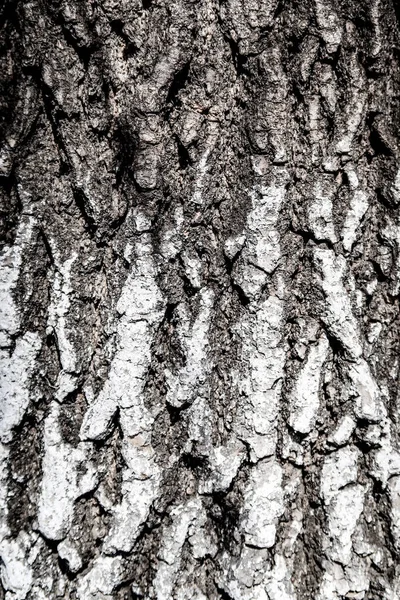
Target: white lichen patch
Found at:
x=278, y=582
x=15, y=373
x=67, y=474
x=373, y=332
x=10, y=264
x=139, y=488
x=340, y=582
x=328, y=79
x=391, y=235
x=200, y=425
x=320, y=210
x=58, y=312
x=339, y=470
x=396, y=187
x=252, y=576
x=262, y=504
x=386, y=457
x=315, y=123
x=343, y=431
x=224, y=462
x=139, y=312
x=261, y=254
x=344, y=512
x=368, y=404
x=68, y=551
x=338, y=315
x=186, y=385
x=264, y=355
x=304, y=398
x=17, y=554
x=100, y=581
x=17, y=575
x=142, y=221
x=343, y=498
x=329, y=24
x=193, y=269
x=171, y=547
x=259, y=385
x=201, y=539
x=203, y=167
x=357, y=209
x=354, y=109
x=342, y=324
x=233, y=245
x=171, y=239
x=242, y=577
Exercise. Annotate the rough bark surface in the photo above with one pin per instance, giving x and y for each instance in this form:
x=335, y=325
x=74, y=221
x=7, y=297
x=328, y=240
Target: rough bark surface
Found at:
x=200, y=276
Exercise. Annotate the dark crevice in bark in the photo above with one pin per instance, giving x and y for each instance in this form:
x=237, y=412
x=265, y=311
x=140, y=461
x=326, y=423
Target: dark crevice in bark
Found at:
x=241, y=296
x=384, y=199
x=10, y=207
x=52, y=116
x=51, y=544
x=130, y=47
x=176, y=413
x=183, y=155
x=335, y=344
x=25, y=462
x=380, y=275
x=143, y=562
x=224, y=509
x=179, y=81
x=382, y=500
x=126, y=142
x=45, y=241
x=83, y=52
x=308, y=236
x=378, y=143
x=223, y=593
x=72, y=412
x=81, y=202
x=224, y=513
x=188, y=288
x=195, y=463
x=308, y=548
x=9, y=14
x=238, y=59
x=396, y=7
x=52, y=344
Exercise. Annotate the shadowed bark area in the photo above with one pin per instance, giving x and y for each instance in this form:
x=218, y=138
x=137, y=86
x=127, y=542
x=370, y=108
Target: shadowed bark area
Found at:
x=199, y=288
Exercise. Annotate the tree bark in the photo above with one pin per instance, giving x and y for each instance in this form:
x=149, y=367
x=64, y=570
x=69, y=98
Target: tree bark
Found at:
x=199, y=296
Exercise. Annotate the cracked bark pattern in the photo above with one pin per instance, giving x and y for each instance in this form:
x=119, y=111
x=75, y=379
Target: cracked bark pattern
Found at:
x=200, y=275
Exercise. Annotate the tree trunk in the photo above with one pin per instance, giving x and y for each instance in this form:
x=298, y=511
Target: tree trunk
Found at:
x=199, y=297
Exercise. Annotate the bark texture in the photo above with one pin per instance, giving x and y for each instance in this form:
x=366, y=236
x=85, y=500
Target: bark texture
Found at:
x=200, y=276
